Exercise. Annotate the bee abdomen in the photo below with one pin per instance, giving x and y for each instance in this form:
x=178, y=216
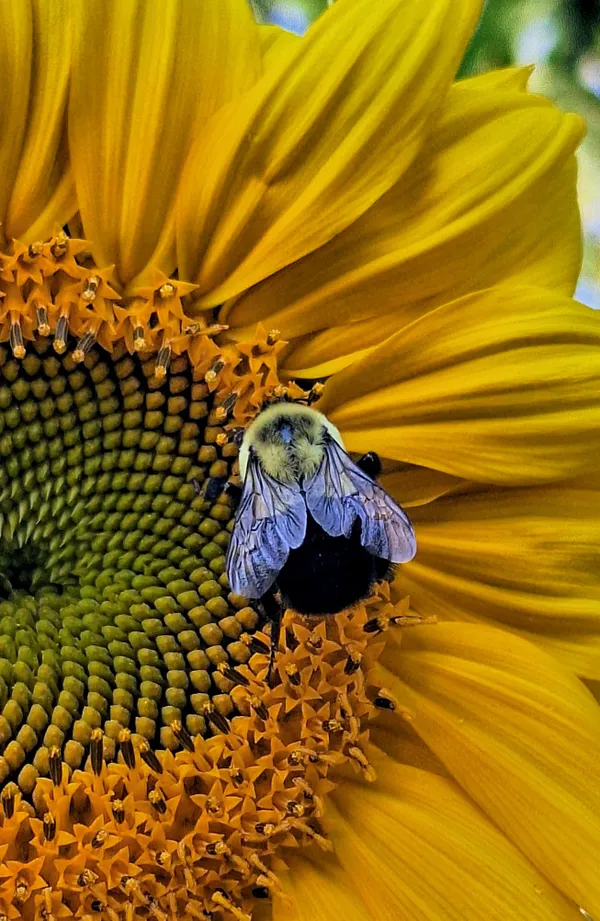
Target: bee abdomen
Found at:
x=328, y=574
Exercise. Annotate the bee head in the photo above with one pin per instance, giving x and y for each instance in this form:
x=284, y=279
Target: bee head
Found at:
x=286, y=431
x=288, y=439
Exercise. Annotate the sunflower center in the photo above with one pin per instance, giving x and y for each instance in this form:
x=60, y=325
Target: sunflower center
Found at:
x=147, y=767
x=114, y=529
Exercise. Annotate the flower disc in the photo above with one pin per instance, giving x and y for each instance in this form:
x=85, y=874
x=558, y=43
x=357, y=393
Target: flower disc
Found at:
x=115, y=609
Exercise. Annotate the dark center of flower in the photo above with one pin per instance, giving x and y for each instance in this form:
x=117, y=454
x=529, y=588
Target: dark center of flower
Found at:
x=115, y=609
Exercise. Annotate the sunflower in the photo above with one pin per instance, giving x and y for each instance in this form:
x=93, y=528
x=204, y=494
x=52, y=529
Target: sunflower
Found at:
x=198, y=213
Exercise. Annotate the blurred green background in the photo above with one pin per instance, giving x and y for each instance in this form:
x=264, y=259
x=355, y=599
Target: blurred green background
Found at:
x=562, y=38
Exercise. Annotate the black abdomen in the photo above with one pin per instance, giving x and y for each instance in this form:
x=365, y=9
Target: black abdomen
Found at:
x=327, y=574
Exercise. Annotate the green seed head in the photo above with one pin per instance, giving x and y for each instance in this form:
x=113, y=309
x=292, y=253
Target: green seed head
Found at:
x=114, y=608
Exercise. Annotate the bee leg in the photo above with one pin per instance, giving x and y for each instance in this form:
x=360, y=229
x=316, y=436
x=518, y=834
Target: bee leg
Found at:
x=211, y=488
x=215, y=486
x=370, y=464
x=234, y=491
x=273, y=613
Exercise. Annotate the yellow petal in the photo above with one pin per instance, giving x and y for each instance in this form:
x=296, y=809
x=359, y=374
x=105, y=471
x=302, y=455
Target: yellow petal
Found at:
x=491, y=197
x=328, y=351
x=324, y=137
x=594, y=687
x=572, y=646
x=501, y=386
x=276, y=44
x=413, y=486
x=505, y=78
x=519, y=734
x=415, y=848
x=397, y=738
x=317, y=889
x=160, y=70
x=36, y=189
x=528, y=559
x=15, y=57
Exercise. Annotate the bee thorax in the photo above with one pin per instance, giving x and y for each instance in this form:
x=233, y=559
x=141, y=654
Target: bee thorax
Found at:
x=307, y=455
x=289, y=463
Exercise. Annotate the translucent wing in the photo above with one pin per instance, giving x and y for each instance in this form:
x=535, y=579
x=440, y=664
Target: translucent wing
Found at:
x=269, y=522
x=339, y=493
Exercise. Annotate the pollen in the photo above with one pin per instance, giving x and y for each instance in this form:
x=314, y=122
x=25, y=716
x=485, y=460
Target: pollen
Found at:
x=146, y=767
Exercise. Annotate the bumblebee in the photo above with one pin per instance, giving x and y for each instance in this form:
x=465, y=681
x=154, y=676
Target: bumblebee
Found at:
x=313, y=530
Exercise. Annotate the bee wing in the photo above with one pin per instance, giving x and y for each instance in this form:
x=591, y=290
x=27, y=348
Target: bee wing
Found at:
x=340, y=493
x=269, y=522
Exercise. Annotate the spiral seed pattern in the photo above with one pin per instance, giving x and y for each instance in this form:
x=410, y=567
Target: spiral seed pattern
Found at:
x=146, y=767
x=115, y=610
